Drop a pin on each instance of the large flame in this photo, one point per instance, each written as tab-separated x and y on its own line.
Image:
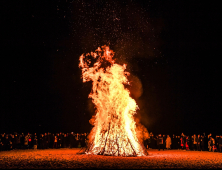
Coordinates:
114	131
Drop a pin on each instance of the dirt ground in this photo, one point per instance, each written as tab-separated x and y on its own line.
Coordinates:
70	158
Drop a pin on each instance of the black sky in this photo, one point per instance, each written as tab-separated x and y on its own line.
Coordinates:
172	47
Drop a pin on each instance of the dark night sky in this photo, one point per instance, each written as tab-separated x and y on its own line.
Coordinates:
172	47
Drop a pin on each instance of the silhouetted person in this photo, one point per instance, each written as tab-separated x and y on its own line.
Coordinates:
198	142
41	141
202	143
55	142
156	142
194	142
12	141
78	141
49	140
205	142
1	144
52	137
183	141
35	142
26	142
173	146
65	141
83	140
178	142
7	143
187	143
217	141
152	141
59	140
220	144
72	140
211	143
46	142
29	141
22	139
164	141
168	142
160	142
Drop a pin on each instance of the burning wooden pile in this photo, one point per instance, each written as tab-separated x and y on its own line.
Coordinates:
114	132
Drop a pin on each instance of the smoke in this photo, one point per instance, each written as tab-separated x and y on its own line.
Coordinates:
136	91
135	87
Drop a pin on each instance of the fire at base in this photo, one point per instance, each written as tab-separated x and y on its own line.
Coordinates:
114	132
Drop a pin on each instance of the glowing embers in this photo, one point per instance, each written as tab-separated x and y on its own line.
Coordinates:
114	131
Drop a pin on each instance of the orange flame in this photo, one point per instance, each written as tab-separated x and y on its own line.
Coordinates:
114	131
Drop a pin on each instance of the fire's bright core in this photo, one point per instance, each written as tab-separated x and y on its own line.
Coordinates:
114	132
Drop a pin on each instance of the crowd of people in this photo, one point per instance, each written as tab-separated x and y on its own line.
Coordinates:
78	140
185	142
42	141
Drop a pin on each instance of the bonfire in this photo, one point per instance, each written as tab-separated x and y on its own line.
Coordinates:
114	128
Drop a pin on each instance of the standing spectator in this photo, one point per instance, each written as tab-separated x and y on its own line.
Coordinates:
181	142
217	141
187	143
46	144
59	140
147	142
55	142
194	142
29	141
7	143
83	139
49	140
22	140
155	142
160	142
64	144
72	140
52	138
67	140
184	138
205	142
1	143
198	142
155	138
35	141
174	140
152	141
26	141
164	141
211	143
176	144
220	144
202	141
41	141
78	140
12	141
168	142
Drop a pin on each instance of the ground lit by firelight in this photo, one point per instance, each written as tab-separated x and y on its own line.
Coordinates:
69	158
